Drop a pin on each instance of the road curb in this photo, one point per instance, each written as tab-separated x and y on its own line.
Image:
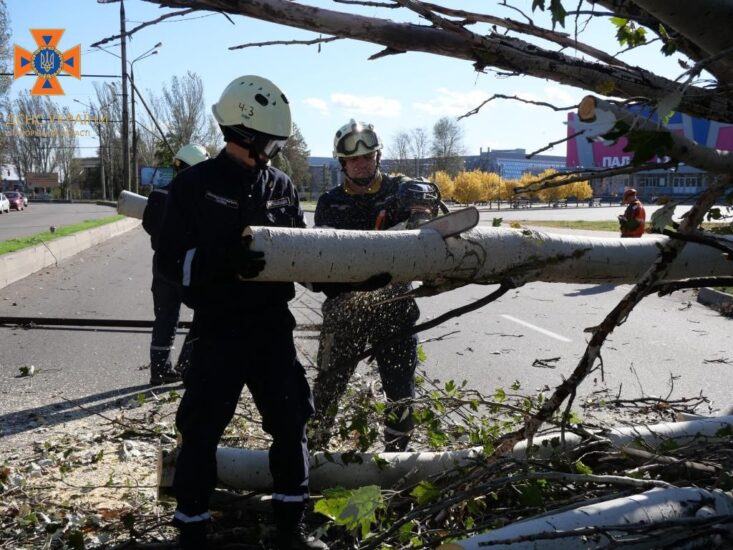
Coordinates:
715	299
18	265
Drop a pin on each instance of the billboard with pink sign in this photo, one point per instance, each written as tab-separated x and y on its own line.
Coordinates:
594	154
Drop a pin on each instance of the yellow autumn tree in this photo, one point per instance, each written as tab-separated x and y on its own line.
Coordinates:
468	188
444	183
492	185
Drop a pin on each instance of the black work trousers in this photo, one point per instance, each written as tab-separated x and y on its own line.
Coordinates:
167	297
255	350
351	322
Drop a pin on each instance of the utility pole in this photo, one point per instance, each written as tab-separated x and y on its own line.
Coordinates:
125	114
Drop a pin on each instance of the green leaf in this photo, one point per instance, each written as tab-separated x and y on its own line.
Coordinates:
725	431
618	21
662	217
421	355
530	495
425	492
500	395
668	446
646	144
496	222
582	468
574	419
353	509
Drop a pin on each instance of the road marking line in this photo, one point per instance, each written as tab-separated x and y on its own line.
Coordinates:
538	329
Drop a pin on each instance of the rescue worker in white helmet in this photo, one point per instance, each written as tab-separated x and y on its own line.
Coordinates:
354	319
167	294
244	328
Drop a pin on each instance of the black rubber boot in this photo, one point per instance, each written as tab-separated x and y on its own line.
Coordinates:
160	376
192	536
291	531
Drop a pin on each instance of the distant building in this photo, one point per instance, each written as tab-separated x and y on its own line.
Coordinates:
513	163
509	163
325	174
41	184
9	180
679	182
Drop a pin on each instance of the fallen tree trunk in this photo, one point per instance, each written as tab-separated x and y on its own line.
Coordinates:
598	525
481	255
649	436
249	469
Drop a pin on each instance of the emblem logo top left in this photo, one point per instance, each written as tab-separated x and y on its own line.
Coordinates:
47	62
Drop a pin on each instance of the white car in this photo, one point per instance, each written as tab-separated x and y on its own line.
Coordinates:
4	203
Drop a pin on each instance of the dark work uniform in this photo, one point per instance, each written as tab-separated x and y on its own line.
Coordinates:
353	320
244	330
167	295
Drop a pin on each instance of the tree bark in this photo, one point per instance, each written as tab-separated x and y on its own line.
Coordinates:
482	255
502	52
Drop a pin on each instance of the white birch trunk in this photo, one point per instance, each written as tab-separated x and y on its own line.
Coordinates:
131	204
249	469
481	255
646	508
652	435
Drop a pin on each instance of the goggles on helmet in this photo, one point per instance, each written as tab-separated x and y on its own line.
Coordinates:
349	144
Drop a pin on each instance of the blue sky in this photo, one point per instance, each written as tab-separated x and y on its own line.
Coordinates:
326	88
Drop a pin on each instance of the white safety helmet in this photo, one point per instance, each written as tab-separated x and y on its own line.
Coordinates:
256	104
355	139
190	154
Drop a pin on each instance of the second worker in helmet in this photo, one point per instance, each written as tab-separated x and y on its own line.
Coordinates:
353	320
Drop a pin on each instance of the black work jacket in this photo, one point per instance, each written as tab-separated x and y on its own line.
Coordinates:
341	210
208	207
153	214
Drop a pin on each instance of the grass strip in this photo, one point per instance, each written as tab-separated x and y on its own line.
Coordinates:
600	225
11	245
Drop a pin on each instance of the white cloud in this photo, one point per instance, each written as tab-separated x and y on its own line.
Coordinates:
366	106
317	104
452	103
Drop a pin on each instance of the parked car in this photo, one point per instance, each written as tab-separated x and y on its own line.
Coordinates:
16	200
25	199
4	203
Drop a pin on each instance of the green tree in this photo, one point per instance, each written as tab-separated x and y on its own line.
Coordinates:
448	146
183	114
5	79
296	153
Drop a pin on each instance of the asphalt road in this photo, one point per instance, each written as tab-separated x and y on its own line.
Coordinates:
670	343
40	216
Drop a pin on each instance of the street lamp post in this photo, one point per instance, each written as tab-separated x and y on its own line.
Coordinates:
151	51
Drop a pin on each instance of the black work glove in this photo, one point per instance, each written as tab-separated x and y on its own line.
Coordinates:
248	262
372	283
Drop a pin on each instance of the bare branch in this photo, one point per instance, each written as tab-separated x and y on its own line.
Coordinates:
516	98
145	24
548	182
286	43
663	289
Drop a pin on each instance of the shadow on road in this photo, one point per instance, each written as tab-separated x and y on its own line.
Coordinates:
590	291
69	410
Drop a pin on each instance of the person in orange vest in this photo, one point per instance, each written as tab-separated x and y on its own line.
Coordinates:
633	220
